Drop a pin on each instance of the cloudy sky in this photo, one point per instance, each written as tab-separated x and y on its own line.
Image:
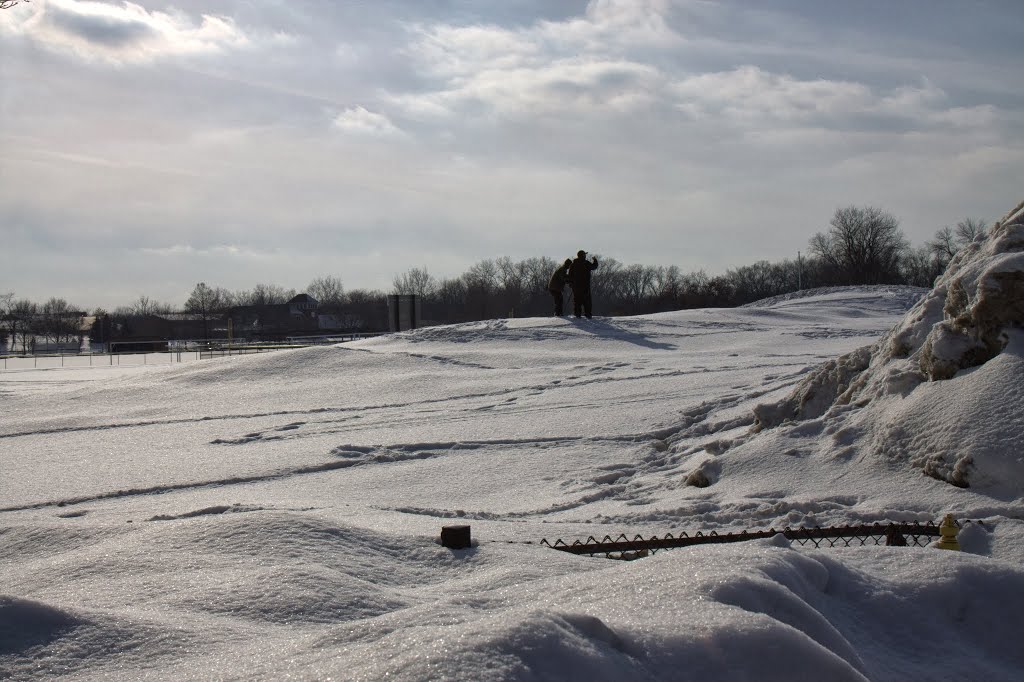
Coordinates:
147	146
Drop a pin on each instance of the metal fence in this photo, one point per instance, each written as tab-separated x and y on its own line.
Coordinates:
48	361
266	344
180	351
623	547
225	351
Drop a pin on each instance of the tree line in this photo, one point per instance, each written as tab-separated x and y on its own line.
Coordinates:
862	245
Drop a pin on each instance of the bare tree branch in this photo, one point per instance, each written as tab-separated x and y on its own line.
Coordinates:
327	290
969	229
863	245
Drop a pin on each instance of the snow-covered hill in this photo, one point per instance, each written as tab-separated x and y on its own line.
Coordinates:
267	516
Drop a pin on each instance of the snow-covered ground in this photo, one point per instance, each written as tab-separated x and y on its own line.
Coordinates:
277	516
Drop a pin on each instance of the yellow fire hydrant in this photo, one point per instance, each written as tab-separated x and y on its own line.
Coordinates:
948	529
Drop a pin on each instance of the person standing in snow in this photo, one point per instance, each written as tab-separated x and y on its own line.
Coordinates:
557	284
579	280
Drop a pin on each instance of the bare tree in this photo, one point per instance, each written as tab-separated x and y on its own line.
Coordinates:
451	293
754	282
668	282
538	273
261	294
862	246
969	229
921	266
144	305
327	290
481	282
6	300
22	318
512	276
482	275
364	297
206	302
60	322
944	244
101	329
695	288
606	283
637	284
416	281
947	242
369	306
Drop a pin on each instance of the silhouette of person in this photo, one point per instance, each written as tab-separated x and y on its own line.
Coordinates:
557	284
579	280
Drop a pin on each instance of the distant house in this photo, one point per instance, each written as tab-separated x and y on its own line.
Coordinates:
303	305
297	316
300	315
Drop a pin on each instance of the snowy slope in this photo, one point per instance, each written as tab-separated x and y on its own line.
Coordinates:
261	516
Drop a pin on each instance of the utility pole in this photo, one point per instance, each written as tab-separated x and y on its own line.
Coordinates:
799	273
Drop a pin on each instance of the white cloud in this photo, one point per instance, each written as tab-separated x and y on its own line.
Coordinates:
616	24
458	51
125	33
171	251
565	87
626	126
751	97
750	93
283	39
619	57
359	121
579	65
188	251
980	116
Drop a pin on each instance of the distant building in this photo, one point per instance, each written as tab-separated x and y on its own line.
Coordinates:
404	312
300	315
297	316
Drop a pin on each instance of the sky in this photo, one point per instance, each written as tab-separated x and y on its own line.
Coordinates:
147	146
271	516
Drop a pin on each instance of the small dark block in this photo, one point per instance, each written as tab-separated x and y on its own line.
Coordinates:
455	537
894	538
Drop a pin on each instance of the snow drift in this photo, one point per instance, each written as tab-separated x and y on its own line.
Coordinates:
276	516
971	320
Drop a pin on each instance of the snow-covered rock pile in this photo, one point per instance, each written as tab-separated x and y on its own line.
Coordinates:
973	316
983	294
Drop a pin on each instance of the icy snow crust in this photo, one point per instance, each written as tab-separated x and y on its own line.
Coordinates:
273	516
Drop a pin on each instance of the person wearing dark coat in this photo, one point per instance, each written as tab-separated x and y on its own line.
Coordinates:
579	280
557	284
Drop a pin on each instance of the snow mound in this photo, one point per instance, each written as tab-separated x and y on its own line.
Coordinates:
966	430
309	570
972	317
25	623
901	296
963	321
816	393
760	612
